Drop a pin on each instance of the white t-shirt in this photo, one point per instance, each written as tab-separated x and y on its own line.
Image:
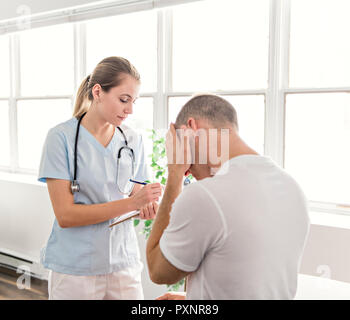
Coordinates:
241	233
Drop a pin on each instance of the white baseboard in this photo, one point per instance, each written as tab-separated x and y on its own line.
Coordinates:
21	265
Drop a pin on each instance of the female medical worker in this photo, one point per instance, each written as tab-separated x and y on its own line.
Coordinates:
86	258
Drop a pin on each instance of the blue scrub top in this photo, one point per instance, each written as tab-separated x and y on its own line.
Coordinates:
94	249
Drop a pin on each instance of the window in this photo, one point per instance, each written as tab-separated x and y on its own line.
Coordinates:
43	115
4	102
47	61
4	134
319	52
4	67
317	123
45	68
133	36
142	121
293	54
221	45
317	136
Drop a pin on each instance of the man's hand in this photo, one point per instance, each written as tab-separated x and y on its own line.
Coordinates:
178	150
149	211
173	296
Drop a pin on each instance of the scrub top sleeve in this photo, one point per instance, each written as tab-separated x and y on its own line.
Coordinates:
195	224
142	172
54	159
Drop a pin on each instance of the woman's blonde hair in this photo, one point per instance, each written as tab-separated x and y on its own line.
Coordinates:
108	74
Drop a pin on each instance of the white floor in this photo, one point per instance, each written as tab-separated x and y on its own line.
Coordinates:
318	288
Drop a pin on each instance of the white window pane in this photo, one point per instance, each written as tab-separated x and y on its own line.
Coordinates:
4	67
319	46
4	134
141	120
35	118
250	114
317	140
221	45
131	36
47	61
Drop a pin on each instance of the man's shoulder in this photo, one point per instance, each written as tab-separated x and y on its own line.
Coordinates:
198	191
210	184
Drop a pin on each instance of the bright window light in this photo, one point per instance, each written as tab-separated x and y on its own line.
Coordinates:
47	61
221	45
4	67
317	140
142	121
131	36
35	118
319	46
4	134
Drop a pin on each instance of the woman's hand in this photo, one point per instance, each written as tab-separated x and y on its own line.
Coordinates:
149	211
149	193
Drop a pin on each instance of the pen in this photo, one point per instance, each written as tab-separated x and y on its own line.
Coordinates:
139	182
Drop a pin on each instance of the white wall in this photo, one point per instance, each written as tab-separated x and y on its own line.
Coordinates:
25	218
327	253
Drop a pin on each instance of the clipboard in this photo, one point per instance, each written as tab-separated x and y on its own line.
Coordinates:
125	217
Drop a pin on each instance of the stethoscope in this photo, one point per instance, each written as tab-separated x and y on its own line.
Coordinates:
75	187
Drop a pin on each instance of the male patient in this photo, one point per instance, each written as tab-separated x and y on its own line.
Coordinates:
239	231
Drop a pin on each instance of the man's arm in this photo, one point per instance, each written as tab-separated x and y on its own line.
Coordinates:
161	270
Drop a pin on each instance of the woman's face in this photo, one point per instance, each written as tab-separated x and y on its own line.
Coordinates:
117	104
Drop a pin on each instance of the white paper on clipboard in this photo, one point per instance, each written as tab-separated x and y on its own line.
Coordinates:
125	216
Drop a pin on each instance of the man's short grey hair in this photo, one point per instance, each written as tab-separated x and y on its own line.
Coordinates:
218	111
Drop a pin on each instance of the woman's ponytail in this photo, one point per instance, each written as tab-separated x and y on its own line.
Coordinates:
82	102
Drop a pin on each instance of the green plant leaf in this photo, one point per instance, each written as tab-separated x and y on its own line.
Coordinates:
176	286
159	167
148	223
159	173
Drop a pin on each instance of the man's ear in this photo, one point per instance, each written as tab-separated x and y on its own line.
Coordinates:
192	124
